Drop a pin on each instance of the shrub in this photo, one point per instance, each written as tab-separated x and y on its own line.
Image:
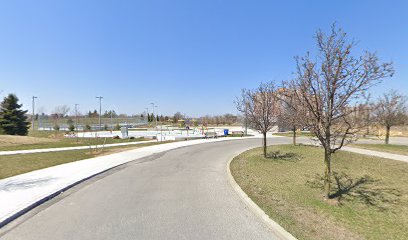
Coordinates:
56	127
71	127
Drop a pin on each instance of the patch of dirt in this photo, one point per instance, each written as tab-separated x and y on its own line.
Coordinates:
12	140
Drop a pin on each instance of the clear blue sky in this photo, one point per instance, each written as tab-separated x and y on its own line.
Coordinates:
187	56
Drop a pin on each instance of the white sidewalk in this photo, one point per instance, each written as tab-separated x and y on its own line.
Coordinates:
391	156
21	193
43	150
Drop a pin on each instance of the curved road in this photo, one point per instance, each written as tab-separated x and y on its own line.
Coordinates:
181	194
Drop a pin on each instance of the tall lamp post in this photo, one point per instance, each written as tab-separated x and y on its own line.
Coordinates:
76	120
33	116
154	115
100	112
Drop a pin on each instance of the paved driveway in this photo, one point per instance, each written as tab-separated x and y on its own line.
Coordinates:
181	194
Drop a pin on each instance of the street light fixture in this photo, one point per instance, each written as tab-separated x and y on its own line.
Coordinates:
100	112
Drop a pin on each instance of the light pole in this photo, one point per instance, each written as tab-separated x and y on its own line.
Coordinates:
33	117
153	114
100	112
76	120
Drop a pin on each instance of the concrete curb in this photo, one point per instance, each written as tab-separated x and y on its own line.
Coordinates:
272	225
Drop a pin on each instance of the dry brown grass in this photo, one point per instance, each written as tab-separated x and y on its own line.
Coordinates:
11	140
396	131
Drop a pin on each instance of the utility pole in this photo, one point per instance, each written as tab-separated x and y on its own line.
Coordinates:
100	112
33	117
153	114
76	121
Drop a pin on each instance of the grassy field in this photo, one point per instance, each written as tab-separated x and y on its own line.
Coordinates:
290	134
52	139
371	193
390	148
17	164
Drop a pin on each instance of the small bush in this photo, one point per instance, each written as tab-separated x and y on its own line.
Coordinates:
87	127
117	127
56	127
116	137
71	127
105	127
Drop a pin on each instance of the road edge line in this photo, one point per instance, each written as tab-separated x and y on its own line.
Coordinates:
272	225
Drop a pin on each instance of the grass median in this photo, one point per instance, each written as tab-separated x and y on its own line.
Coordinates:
371	194
21	163
389	148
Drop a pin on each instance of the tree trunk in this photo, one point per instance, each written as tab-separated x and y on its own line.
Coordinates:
387	134
264	144
294	136
327	173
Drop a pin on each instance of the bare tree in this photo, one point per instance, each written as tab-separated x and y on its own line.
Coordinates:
261	107
292	112
390	110
61	111
329	84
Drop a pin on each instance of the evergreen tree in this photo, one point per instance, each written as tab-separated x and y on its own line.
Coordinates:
13	120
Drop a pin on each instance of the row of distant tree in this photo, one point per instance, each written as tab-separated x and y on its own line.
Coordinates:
14	120
328	96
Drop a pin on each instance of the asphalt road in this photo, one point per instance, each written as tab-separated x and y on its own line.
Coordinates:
181	194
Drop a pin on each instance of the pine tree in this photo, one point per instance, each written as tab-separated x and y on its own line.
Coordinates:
13	120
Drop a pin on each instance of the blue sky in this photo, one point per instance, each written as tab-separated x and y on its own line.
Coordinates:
187	56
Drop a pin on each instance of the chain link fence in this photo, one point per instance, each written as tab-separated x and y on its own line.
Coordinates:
85	123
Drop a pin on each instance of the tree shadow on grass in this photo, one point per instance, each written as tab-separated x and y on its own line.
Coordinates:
290	156
365	189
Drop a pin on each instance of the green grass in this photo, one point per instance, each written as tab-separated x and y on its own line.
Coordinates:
288	187
18	164
390	148
298	134
57	140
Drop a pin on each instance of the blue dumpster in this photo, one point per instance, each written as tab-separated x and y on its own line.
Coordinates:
225	132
